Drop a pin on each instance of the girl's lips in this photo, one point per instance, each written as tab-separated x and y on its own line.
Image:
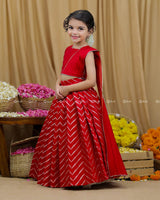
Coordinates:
75	37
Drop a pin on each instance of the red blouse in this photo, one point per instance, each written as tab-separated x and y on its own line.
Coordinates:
74	61
74	64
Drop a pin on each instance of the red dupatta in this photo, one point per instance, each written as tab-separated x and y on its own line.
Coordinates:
115	163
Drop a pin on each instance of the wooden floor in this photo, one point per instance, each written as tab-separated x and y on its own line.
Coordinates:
27	189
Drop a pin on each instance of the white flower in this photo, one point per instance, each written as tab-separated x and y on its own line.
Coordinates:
7	91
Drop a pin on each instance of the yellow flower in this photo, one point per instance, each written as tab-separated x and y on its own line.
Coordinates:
122	132
111	117
116	133
125	141
118	140
123	122
133	127
126	133
115	124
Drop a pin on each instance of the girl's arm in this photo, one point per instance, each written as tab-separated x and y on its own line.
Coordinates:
86	84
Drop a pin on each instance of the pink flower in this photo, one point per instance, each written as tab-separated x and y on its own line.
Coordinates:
23	151
35	90
35	113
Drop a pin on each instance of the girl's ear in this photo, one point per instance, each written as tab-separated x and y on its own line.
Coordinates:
91	31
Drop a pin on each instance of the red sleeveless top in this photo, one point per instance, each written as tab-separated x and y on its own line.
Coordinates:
74	64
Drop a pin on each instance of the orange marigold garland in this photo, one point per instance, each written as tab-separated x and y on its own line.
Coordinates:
145	148
151	141
157	157
156	134
144	177
157	172
150	130
158	129
155	176
135	177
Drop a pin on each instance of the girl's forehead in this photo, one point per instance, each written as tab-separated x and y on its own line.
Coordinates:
75	22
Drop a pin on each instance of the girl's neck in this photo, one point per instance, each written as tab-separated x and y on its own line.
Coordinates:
79	46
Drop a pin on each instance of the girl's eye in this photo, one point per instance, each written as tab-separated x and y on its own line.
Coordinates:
81	28
70	27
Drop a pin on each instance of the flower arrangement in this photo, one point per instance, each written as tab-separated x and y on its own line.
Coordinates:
157	172
144	177
10	114
23	151
151	141
129	150
125	132
35	113
155	176
7	91
135	177
29	113
35	90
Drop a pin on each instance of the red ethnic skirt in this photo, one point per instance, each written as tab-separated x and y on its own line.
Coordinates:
71	149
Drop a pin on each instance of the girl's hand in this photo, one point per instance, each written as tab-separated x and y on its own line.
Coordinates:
58	94
64	90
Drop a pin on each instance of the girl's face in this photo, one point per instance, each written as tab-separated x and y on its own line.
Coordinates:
78	31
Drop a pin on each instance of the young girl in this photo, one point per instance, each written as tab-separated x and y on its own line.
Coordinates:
76	146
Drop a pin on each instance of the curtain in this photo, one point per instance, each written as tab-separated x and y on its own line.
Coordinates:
127	33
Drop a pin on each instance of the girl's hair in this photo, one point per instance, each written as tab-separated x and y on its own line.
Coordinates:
82	15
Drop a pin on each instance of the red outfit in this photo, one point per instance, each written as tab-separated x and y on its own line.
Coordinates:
76	145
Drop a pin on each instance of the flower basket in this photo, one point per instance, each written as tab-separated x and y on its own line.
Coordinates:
34	96
8	94
125	130
6	105
20	165
33	103
20	162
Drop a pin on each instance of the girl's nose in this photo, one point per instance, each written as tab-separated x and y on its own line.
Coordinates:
74	31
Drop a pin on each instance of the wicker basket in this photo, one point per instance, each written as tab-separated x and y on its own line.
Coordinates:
136	143
20	164
6	105
35	103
